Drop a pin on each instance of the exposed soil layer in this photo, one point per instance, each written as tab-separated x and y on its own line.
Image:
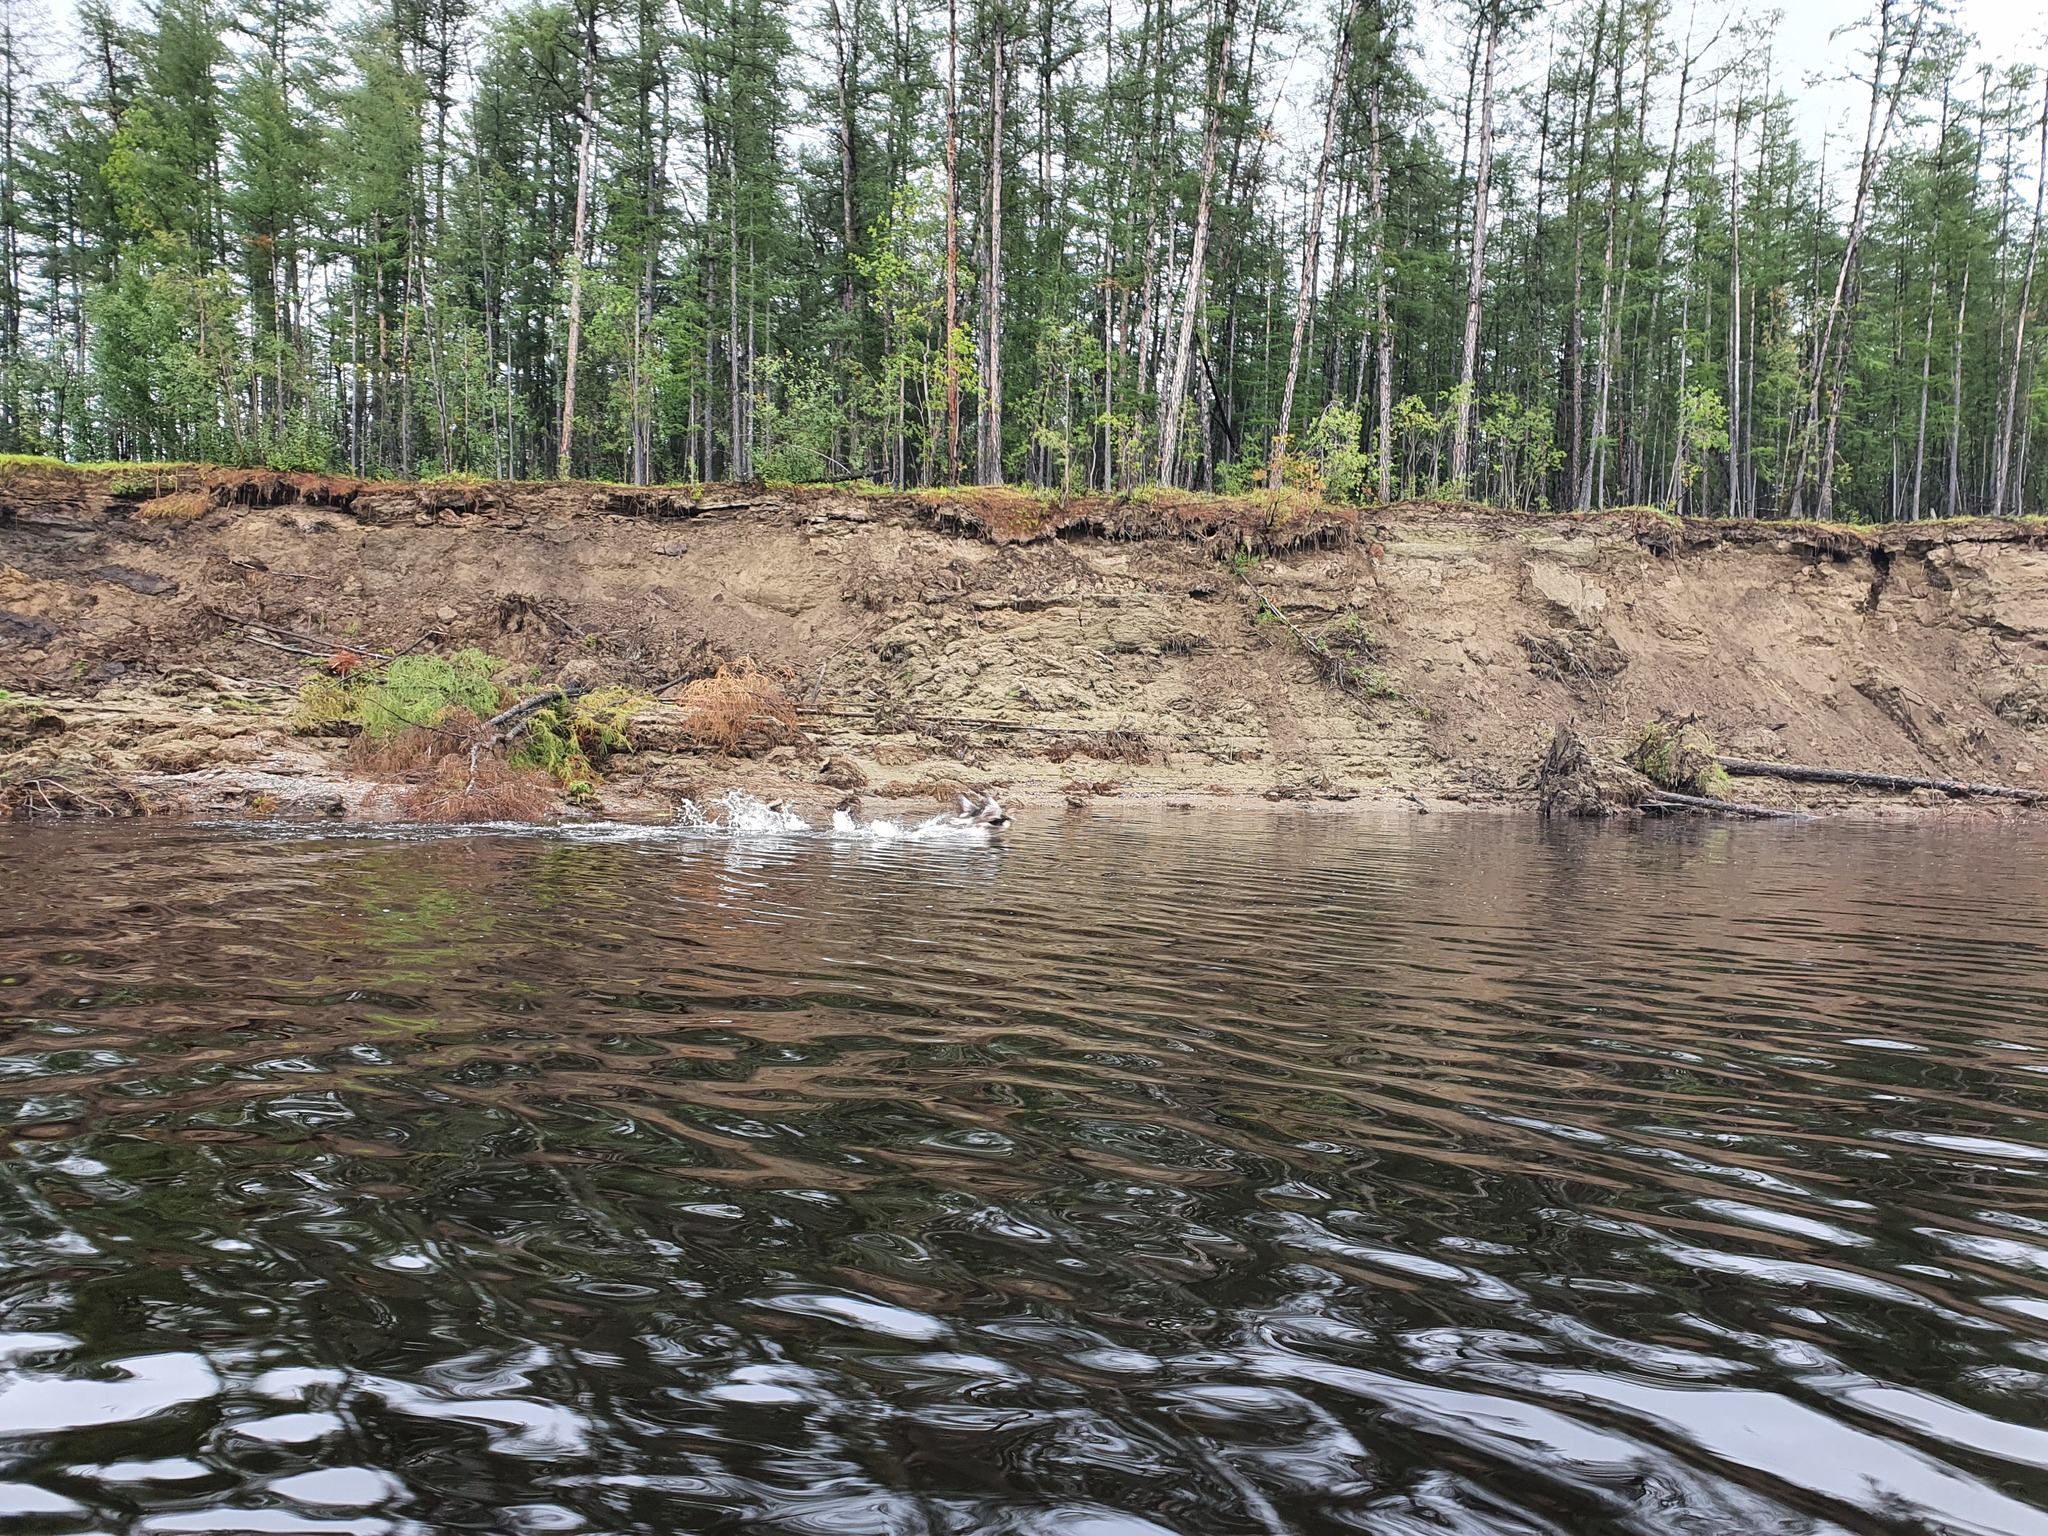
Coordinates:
154	629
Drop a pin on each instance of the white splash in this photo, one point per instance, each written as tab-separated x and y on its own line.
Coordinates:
737	814
744	816
947	827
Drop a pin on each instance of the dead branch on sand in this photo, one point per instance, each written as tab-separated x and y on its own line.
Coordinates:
1868	779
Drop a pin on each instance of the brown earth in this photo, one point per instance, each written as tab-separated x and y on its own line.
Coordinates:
153	640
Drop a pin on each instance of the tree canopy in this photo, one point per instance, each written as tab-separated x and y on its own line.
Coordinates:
1585	259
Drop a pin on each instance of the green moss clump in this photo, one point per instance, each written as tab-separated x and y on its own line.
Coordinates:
325	705
1673	756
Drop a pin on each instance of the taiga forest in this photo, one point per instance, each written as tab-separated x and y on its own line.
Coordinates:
1575	256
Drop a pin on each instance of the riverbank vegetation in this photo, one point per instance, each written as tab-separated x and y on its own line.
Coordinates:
1586	259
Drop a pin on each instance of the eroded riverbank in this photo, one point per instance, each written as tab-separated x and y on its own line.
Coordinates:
154	637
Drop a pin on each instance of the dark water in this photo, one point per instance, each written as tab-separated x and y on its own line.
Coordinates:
1147	1174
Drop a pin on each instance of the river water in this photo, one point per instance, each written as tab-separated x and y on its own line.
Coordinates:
1160	1172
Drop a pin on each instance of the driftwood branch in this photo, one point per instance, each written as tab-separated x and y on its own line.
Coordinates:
1807	773
507	724
1333	665
1668	799
920	720
278	645
326	645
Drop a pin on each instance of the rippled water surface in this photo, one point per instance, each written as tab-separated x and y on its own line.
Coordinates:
1163	1173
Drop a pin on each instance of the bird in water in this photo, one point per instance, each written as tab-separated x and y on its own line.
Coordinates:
982	811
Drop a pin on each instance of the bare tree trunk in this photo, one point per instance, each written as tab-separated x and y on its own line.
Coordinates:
1574	361
846	45
1475	286
1736	417
1383	325
585	153
1312	247
1595	466
1175	395
2019	334
952	240
1831	350
1109	349
989	447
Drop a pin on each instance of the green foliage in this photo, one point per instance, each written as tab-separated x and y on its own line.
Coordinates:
574	739
1338	464
1673	756
132	482
1702	429
1244	474
800	421
325	705
268	235
404	692
1241	561
419	690
1521	439
1420	433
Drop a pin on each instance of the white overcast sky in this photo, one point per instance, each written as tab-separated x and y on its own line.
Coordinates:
1817	44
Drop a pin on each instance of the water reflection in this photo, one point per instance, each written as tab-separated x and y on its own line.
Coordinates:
1287	1174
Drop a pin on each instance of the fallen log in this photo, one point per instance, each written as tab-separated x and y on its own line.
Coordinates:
1807	773
1671	800
506	726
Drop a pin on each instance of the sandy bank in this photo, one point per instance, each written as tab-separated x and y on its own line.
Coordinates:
152	631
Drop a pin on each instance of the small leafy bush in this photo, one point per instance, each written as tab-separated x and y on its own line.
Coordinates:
419	690
573	739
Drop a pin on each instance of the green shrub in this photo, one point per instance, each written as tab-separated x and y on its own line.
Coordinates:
573	739
324	703
418	690
1673	756
131	483
404	692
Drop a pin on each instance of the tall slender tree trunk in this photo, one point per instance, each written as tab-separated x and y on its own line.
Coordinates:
1954	500
952	240
1955	424
2003	464
1926	379
585	154
1737	418
1382	323
1475	284
1575	336
846	45
1312	246
1831	349
1595	467
1175	395
1109	349
989	447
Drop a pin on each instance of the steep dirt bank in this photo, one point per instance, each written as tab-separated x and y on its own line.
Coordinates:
154	639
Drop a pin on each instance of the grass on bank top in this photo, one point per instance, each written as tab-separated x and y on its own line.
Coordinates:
42	463
1008	510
